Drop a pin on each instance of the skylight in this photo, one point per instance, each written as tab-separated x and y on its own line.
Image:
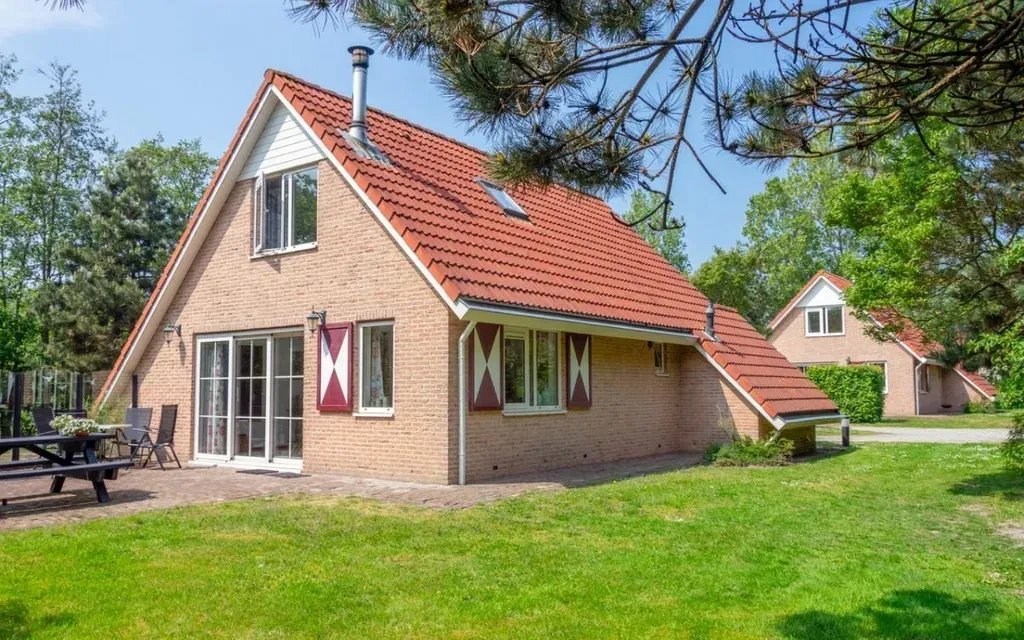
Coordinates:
505	201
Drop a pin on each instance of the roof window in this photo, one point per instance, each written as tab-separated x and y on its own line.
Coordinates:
505	201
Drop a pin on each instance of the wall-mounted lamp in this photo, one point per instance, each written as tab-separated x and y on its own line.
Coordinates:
316	319
170	330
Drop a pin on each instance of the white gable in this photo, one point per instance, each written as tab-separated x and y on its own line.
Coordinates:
283	144
822	294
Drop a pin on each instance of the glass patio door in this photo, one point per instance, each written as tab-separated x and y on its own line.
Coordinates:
214	397
287	405
249	426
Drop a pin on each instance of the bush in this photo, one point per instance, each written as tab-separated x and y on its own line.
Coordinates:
982	406
858	390
28	427
1013	448
747	452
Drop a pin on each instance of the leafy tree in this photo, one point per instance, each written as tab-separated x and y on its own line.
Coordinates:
182	171
121	247
789	235
668	242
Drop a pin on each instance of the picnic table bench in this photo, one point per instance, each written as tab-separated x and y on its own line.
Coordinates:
75	458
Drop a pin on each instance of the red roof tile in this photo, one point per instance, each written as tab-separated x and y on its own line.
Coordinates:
573	256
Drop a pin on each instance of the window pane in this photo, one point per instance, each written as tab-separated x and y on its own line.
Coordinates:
220	366
242	436
281	444
282	356
272	218
304	195
257	435
515	370
659	356
377	361
243	366
243	399
296	348
814	321
834	319
296	439
282	397
547	368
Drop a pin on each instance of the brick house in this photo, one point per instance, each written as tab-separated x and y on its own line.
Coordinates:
352	294
817	327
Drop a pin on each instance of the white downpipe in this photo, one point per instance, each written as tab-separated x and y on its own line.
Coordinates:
917	388
462	401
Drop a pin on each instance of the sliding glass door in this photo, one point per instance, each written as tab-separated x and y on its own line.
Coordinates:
249	390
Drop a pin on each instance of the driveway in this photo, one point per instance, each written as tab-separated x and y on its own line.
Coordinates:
911	434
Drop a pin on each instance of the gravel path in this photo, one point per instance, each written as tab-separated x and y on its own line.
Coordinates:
910	434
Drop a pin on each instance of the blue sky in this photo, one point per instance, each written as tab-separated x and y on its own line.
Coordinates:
189	68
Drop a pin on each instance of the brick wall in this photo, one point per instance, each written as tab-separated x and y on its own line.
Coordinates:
790	339
357	274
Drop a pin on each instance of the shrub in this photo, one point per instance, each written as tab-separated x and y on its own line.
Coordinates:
858	390
28	427
1013	448
747	452
982	406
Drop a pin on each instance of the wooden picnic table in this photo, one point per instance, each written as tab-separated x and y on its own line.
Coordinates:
75	458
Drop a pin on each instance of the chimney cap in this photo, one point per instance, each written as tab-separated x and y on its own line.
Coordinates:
360	55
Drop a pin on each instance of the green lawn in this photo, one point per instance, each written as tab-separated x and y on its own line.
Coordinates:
1000	420
890	541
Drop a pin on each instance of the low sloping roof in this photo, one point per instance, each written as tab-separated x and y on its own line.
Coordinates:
573	256
913	337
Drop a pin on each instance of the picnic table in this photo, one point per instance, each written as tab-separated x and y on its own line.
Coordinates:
75	458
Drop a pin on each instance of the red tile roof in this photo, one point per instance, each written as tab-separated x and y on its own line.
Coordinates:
573	256
906	331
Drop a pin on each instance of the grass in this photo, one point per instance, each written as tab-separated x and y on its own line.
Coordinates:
1001	420
888	541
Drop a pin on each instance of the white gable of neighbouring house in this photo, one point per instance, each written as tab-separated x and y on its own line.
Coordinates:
822	294
283	144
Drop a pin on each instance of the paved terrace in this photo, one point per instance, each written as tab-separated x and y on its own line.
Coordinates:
31	505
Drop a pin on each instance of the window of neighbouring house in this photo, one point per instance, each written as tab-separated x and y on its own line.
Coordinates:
885	373
924	379
376	371
822	321
659	358
285	211
532	367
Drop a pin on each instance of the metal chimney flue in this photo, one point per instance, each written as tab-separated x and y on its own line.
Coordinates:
709	320
360	64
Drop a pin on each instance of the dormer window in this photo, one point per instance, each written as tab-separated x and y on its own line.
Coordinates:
502	199
824	321
285	211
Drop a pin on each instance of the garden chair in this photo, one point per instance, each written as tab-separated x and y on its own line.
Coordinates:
42	417
139	418
164	437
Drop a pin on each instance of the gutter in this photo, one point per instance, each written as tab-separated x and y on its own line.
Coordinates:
462	400
819	418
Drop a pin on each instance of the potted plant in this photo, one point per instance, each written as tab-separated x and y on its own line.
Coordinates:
67	425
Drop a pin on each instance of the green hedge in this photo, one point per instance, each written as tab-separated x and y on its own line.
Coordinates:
858	391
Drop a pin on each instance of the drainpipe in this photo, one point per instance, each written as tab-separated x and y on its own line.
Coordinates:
917	388
462	400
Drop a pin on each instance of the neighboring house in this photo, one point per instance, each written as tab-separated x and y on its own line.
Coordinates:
817	327
468	332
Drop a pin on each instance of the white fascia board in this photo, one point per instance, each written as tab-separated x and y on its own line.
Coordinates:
531	319
406	249
193	242
795	303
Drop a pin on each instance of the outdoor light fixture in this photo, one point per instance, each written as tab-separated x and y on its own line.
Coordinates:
170	330
316	319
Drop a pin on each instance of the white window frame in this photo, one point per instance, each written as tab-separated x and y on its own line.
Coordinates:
884	366
659	348
230	457
529	338
823	324
381	412
288	220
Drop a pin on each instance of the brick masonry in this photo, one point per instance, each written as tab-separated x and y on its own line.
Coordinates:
358	274
947	387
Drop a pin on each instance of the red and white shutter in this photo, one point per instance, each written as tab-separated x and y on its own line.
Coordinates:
334	372
485	369
577	370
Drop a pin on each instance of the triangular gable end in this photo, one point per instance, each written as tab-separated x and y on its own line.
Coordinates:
284	143
816	287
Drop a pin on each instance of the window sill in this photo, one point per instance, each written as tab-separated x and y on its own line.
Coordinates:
299	248
374	414
824	335
514	413
661	374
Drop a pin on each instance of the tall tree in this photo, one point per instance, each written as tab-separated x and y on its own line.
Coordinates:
182	171
669	241
120	249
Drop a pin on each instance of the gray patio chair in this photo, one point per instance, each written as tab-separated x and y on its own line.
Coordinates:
164	437
139	418
42	417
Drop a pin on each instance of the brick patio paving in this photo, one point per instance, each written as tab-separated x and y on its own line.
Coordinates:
31	505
